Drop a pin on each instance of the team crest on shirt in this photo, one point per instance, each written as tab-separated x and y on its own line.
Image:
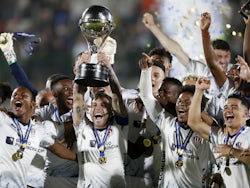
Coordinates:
110	130
197	139
33	132
173	147
239	144
92	143
9	140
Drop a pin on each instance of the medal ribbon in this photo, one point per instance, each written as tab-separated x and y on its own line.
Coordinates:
178	140
57	115
236	136
63	118
23	138
101	144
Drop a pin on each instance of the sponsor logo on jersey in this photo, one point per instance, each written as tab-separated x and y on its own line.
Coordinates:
239	144
9	140
197	139
92	143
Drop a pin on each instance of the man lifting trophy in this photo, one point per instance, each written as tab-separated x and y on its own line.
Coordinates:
96	25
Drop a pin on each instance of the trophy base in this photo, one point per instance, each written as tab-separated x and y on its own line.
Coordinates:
92	75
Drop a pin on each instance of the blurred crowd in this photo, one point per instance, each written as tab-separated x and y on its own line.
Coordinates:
56	22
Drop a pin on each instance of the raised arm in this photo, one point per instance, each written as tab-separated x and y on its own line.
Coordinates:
244	69
78	104
152	106
210	56
194	115
61	151
246	42
117	100
169	44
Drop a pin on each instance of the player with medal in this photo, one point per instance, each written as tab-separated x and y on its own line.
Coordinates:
181	147
178	139
101	136
23	140
230	141
101	144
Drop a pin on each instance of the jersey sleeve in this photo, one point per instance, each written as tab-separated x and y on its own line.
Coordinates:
50	134
21	77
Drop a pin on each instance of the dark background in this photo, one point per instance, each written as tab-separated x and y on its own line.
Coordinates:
56	22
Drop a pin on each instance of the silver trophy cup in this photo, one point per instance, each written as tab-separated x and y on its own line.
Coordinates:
96	22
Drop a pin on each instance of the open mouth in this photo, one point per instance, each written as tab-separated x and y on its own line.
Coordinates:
229	117
98	116
70	100
182	112
18	104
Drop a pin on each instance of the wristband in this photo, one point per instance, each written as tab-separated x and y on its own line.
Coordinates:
10	57
205	34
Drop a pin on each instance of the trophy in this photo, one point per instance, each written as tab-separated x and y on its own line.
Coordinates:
96	23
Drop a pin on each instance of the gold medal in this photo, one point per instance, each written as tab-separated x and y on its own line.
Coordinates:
24	145
180	151
155	137
228	171
101	148
102	160
146	142
18	155
179	163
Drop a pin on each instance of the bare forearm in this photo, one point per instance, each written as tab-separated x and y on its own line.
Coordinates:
195	118
211	59
241	155
246	44
62	151
78	108
170	45
114	82
117	100
119	106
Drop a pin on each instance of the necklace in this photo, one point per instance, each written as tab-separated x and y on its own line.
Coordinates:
181	147
101	144
23	140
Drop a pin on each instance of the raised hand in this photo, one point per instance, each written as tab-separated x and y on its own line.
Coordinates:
145	62
6	45
202	83
148	20
105	59
205	21
85	57
244	68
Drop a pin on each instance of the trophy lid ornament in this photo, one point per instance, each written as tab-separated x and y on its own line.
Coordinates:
96	23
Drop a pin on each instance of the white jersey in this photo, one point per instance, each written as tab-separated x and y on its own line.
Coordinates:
146	166
14	174
55	165
197	153
201	69
36	174
144	170
92	173
240	172
216	103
